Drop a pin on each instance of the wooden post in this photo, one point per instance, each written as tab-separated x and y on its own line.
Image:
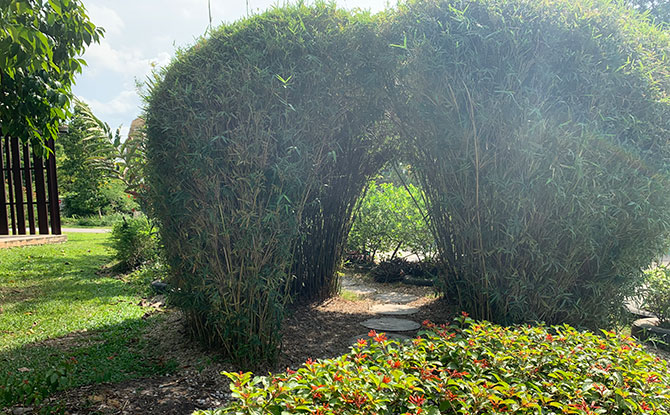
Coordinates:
18	186
4	223
52	184
29	189
9	186
40	190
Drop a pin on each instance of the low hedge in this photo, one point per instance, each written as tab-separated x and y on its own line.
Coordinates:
468	368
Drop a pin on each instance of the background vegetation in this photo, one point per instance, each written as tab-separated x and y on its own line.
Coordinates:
100	173
389	219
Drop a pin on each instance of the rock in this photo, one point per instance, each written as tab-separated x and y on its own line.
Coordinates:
394	309
633	308
647	329
20	410
386	324
159	286
395	298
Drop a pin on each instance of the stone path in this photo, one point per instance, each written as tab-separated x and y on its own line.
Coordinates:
391	309
385	324
391	304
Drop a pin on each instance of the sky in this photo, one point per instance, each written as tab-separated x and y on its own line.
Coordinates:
140	34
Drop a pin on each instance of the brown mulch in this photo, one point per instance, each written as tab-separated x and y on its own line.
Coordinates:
318	331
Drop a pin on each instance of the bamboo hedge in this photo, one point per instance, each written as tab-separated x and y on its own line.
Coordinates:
538	130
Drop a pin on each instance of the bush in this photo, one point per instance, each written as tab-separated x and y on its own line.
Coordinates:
391	270
480	369
255	183
135	242
656	294
389	218
29	388
539	136
400	269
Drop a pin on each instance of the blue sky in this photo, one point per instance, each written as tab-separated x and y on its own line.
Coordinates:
142	33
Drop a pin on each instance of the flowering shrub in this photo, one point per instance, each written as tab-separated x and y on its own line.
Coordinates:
468	368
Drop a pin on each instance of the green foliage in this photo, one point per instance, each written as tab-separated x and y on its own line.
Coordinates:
28	387
656	293
41	41
135	241
539	133
390	218
469	368
256	182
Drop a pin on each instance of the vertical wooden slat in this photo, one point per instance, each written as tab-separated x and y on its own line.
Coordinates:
29	189
18	186
40	190
52	183
4	223
9	185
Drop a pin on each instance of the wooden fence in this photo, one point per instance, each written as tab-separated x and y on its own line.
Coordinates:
24	193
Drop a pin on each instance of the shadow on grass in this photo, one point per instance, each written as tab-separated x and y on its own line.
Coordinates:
110	353
37	279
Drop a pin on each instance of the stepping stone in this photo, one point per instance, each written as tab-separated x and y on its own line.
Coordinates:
348	282
386	324
395	298
394	309
391	336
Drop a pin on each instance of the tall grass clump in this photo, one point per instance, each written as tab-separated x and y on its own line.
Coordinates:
258	143
539	133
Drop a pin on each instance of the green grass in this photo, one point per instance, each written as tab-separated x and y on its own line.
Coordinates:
55	292
349	295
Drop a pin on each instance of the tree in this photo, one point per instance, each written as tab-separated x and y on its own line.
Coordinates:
40	43
86	162
131	158
99	171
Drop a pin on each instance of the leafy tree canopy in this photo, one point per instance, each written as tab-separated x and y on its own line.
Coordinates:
40	43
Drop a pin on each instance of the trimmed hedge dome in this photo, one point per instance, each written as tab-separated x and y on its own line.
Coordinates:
538	129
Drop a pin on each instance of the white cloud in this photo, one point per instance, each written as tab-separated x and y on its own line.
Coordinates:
123	103
128	61
107	18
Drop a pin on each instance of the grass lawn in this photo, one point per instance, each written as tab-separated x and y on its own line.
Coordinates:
63	325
